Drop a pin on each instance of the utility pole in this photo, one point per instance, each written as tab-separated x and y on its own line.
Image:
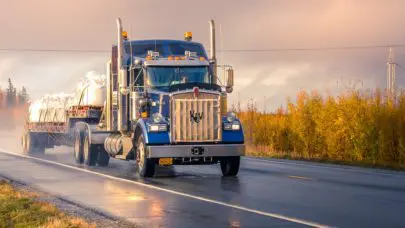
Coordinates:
391	68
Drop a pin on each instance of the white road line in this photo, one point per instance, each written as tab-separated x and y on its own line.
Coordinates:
325	166
273	215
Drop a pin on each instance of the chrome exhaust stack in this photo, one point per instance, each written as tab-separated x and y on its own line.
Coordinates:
213	58
108	103
122	83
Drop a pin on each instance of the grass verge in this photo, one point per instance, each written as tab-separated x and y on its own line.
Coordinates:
297	157
22	209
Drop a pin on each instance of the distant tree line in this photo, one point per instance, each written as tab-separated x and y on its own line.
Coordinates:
10	97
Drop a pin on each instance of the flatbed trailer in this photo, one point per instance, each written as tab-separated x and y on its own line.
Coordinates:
39	136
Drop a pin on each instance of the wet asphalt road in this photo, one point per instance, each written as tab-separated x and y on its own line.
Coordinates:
329	195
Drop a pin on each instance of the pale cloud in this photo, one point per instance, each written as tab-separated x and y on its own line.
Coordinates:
281	75
255	24
7	65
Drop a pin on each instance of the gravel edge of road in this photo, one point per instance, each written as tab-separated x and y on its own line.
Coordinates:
91	215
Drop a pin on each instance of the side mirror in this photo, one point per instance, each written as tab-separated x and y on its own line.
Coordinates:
229	80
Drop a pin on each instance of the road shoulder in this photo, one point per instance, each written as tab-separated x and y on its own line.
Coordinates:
70	208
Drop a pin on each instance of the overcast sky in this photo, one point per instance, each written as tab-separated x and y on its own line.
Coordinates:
253	24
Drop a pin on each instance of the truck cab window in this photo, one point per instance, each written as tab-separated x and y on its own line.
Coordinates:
137	75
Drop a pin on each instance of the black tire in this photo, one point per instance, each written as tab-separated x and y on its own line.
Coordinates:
78	147
103	157
26	145
41	141
230	166
32	143
89	151
146	166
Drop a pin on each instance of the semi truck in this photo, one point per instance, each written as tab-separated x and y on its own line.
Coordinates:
164	105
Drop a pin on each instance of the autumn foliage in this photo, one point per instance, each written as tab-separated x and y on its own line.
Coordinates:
355	127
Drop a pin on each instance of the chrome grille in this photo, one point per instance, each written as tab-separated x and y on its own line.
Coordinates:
196	119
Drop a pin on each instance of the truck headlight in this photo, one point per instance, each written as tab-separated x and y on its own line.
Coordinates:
234	126
230	117
157	127
157	117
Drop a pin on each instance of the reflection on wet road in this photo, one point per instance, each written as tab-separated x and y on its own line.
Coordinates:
197	196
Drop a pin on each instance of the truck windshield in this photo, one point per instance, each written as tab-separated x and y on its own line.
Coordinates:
164	77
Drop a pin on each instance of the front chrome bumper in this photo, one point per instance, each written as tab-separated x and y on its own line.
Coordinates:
179	151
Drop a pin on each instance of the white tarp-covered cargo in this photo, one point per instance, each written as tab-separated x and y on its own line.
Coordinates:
50	108
90	91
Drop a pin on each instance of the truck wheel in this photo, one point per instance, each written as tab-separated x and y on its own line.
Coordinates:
32	144
78	147
103	157
230	166
29	143
23	142
89	152
146	166
26	144
40	143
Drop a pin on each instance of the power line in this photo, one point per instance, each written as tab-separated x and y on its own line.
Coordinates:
225	50
53	50
316	48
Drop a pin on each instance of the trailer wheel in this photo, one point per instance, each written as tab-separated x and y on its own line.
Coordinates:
146	166
103	157
40	142
26	144
230	166
89	152
32	143
78	147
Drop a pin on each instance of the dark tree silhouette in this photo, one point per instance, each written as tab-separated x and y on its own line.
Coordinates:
23	96
11	93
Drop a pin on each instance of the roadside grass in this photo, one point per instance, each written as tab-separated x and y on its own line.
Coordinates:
295	156
354	127
22	209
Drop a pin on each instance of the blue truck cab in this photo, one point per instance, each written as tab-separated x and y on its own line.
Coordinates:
164	106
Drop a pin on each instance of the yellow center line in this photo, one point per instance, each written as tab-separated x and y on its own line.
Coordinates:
302	178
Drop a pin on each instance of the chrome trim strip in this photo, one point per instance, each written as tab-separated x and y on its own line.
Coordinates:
217	150
192	91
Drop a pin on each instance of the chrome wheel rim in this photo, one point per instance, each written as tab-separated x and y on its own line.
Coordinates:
77	147
28	141
23	142
86	149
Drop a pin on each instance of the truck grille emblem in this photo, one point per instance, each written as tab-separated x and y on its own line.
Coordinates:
195	117
196	92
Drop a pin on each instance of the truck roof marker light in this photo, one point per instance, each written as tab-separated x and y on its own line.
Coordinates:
202	58
125	35
177	58
188	36
148	57
170	58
